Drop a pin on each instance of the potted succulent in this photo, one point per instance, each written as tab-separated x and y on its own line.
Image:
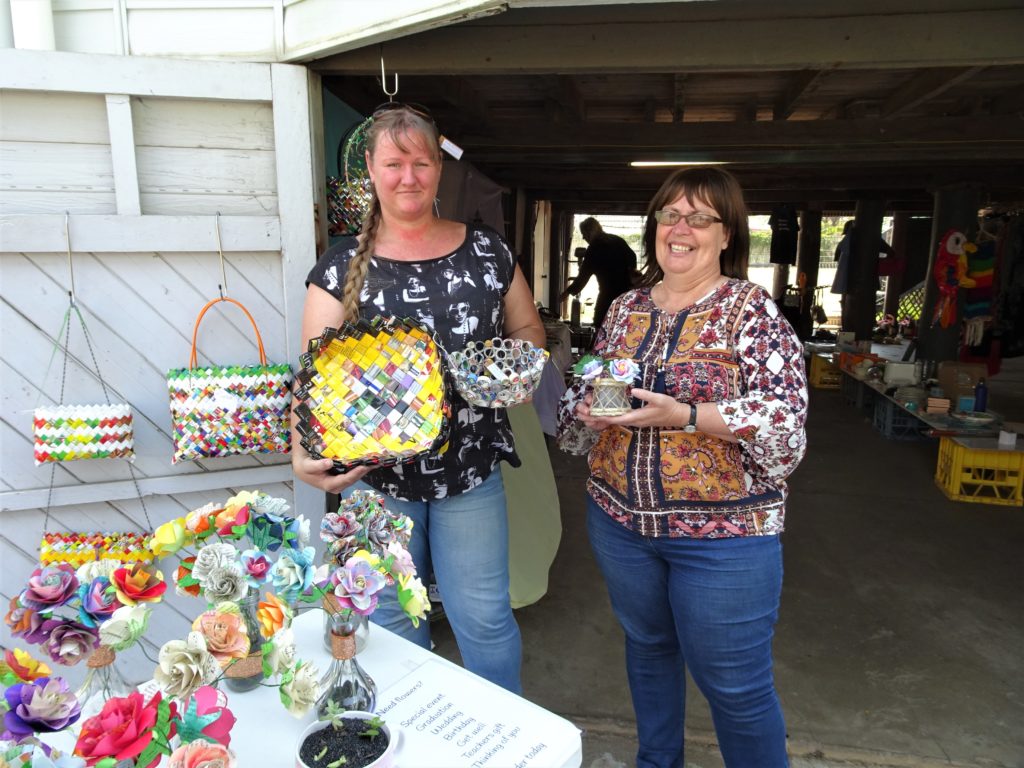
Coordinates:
347	740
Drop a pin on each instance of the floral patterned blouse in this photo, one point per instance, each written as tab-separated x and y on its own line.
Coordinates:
732	348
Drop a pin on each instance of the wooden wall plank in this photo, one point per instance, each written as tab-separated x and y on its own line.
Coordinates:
77	118
75	201
201	123
122	151
40	233
37	165
184	169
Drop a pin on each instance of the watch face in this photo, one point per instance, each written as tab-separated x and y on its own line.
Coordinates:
689	428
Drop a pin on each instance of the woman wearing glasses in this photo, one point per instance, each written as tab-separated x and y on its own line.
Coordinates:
687	491
456	499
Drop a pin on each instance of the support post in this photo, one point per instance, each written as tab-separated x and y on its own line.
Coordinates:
808	257
859	312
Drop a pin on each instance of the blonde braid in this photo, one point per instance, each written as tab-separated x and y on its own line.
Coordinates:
360	263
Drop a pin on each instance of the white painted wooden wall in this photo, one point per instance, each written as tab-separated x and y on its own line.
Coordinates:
143	154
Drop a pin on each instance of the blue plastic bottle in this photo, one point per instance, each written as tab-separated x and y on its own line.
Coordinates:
981	396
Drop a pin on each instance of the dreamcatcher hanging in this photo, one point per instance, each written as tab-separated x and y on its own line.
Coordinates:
348	195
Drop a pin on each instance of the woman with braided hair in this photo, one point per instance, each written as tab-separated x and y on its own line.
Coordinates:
456	499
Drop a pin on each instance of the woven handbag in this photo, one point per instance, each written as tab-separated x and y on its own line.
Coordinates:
373	393
227	410
68	432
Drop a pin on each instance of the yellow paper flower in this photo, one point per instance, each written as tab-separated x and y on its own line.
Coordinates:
24	666
170	537
241	499
273	615
369	557
412	596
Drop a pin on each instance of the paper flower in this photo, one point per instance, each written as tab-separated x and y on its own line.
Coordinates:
225	583
124	628
273	615
202	754
230	518
170	537
68	642
412	596
356	585
281	654
185	665
224	632
38	757
49	587
98	601
25	623
293	573
256	567
339	525
184	582
204	717
402	563
300	689
212	556
124	729
198	520
590	367
44	706
24	666
623	369
138	585
96	569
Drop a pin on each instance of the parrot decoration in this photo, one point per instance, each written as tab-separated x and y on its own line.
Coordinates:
950	273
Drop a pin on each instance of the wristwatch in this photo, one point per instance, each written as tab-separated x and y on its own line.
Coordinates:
691	425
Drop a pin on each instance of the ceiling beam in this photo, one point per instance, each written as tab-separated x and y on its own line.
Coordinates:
582	39
924	86
799	84
678	97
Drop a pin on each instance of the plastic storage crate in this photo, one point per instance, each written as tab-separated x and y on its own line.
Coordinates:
856	393
824	375
894	422
980	475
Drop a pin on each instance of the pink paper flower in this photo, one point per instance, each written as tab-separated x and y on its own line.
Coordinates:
202	754
49	587
225	634
201	705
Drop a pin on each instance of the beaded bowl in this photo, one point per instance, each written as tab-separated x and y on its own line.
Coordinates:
497	373
372	393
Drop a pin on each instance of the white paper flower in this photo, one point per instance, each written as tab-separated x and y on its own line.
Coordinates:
282	655
225	583
211	556
88	572
125	626
185	666
303	689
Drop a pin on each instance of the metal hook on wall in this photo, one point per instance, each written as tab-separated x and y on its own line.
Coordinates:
71	266
223	287
383	81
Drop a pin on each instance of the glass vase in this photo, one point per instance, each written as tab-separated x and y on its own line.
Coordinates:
102	682
361	624
609	397
346	687
246	674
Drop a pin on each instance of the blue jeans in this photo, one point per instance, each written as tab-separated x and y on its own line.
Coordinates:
708	606
463	540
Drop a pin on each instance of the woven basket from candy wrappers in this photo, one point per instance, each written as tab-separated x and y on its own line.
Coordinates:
372	393
79	548
497	373
67	432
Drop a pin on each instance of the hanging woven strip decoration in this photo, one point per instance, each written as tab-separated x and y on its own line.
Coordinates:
79	548
372	393
225	410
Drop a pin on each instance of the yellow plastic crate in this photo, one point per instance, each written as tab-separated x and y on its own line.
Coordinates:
979	475
824	375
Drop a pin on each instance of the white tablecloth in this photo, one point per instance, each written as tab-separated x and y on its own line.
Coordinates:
453	717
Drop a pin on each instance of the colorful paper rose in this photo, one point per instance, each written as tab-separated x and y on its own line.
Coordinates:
138	585
273	614
124	730
46	705
98	601
184	582
590	367
230	518
256	567
225	633
25	623
170	537
202	754
24	666
204	717
623	369
356	585
50	586
197	521
401	563
293	573
412	596
69	642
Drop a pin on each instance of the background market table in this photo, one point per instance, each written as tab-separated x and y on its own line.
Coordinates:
498	729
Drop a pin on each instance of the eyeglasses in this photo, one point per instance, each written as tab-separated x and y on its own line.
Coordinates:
670	218
417	109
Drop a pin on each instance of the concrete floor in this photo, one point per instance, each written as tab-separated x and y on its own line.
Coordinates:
902	625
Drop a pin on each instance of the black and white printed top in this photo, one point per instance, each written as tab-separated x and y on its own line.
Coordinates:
461	297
